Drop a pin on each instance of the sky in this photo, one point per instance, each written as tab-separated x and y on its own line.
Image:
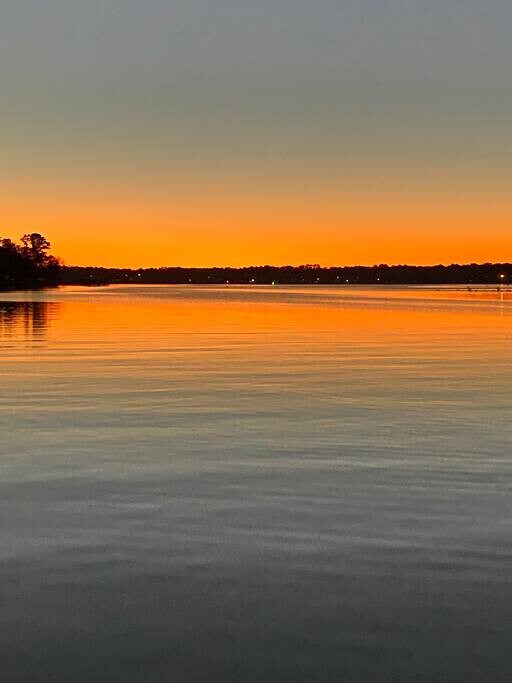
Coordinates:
235	132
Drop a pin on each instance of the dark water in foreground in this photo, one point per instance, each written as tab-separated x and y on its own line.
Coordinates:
255	485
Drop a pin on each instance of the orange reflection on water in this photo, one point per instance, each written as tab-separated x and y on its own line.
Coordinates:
25	319
151	318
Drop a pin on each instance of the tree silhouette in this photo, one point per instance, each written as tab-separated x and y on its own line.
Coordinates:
28	264
35	247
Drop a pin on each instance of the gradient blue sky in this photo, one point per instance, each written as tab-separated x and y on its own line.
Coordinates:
228	132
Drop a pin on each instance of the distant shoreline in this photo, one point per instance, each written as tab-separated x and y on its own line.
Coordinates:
469	275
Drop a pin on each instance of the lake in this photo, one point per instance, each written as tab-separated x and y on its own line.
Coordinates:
256	484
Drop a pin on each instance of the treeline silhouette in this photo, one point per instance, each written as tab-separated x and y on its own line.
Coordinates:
27	264
487	273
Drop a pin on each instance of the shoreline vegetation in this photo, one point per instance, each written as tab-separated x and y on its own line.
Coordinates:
28	264
455	274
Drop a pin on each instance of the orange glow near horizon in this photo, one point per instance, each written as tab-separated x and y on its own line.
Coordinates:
202	229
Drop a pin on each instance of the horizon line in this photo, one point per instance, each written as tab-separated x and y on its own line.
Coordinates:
304	266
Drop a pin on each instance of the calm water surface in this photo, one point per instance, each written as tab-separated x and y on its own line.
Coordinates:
255	484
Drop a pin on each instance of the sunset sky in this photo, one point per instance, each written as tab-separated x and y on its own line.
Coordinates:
235	132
